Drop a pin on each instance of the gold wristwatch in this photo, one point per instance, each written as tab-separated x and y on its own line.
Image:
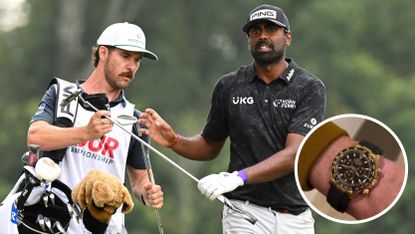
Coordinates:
354	170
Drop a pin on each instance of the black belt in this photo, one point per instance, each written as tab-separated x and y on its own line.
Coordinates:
284	210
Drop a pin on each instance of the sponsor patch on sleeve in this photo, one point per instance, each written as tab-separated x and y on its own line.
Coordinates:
41	108
311	124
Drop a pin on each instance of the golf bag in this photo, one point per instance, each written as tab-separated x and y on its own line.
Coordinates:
36	205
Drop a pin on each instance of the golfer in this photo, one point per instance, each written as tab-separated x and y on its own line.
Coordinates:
265	108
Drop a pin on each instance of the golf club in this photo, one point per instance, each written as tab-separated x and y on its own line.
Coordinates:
246	215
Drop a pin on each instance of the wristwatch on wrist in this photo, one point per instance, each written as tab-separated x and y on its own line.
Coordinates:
354	170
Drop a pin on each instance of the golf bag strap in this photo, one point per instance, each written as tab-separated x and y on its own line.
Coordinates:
64	89
55	184
64	116
64	188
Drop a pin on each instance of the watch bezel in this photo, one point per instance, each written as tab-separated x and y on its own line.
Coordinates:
371	172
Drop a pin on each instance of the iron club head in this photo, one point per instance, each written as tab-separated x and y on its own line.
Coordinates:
70	97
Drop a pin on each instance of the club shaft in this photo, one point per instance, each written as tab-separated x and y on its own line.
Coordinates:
146	156
221	198
155	150
143	142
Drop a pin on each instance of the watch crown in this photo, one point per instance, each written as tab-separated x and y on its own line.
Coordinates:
365	191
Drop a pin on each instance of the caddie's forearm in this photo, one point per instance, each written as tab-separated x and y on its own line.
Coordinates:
50	137
138	179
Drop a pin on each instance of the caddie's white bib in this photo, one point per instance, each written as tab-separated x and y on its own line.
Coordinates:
109	153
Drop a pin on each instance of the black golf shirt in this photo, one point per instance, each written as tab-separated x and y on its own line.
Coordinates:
257	117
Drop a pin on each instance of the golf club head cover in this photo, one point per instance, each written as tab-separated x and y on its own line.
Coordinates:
100	194
98	100
46	169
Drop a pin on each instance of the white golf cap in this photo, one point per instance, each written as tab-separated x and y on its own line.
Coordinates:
126	36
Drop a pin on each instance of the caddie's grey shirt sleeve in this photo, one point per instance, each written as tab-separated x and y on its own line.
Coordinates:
46	108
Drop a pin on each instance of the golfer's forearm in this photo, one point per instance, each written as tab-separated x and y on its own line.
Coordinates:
277	165
50	137
274	167
198	148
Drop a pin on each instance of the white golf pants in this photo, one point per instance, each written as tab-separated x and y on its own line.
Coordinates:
269	221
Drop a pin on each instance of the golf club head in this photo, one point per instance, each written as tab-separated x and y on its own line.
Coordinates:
70	97
126	119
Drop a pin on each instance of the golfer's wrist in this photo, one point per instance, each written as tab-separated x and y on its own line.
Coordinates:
174	142
243	175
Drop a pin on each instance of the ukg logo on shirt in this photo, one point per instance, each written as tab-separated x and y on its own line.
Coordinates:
242	100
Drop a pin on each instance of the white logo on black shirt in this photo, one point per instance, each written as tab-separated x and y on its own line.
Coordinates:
290	75
242	100
284	103
312	123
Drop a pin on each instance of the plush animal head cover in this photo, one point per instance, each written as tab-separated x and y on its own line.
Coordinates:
102	193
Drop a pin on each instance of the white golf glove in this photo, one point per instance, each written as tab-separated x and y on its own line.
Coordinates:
216	184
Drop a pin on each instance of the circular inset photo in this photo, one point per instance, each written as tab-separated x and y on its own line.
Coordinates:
351	168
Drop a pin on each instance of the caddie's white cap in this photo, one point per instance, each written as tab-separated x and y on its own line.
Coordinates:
126	36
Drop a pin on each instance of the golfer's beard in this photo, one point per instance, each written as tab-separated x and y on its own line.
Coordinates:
266	58
111	79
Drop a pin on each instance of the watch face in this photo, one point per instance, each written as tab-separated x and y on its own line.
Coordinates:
353	169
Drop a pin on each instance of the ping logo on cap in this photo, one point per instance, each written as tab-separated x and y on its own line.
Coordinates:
263	14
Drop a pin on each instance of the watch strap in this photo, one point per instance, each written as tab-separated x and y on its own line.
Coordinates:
337	198
374	148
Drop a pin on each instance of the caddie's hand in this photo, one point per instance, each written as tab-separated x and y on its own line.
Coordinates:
98	125
158	129
216	184
153	196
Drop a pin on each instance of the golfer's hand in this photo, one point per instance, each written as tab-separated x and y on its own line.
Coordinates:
98	125
216	184
157	129
153	196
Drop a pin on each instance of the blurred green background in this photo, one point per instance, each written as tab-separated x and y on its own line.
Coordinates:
362	50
